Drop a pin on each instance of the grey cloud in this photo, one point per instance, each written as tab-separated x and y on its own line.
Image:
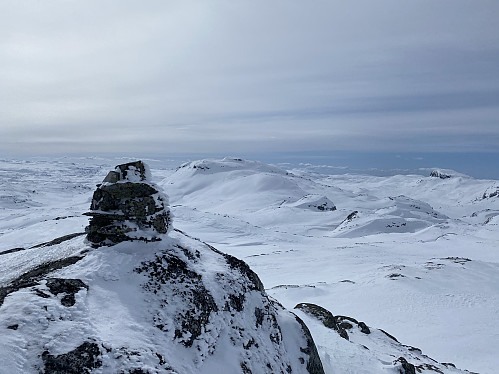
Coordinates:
225	75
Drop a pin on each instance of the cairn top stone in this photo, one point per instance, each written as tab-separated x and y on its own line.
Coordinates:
128	206
132	171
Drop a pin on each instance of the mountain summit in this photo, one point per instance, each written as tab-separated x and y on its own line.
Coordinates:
139	297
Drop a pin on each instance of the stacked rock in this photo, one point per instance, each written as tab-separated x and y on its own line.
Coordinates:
128	206
439	174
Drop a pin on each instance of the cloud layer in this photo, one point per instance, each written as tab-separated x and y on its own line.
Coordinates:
193	76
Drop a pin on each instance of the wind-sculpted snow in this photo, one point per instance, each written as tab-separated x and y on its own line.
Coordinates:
401	215
253	192
432	283
376	256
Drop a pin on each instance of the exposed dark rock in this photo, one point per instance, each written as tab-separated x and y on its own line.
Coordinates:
259	316
32	277
59	240
406	368
314	365
430	367
491	192
343	333
352	215
67	286
413	349
166	269
136	167
325	207
439	174
322	314
390	336
41	294
13	250
457	260
81	360
363	328
345	325
243	267
126	206
237	302
137	371
395	275
338	323
174	278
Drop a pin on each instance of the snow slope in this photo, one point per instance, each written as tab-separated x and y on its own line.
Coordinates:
171	305
394	253
415	256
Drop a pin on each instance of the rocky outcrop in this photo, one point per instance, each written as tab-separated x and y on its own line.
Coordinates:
127	206
439	174
339	323
315	202
374	343
82	359
154	301
491	192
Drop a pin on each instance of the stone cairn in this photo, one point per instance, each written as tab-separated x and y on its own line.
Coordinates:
127	206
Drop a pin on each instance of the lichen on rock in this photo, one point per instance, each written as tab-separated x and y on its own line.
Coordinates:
128	206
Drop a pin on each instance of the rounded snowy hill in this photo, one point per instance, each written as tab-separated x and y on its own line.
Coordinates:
394	251
251	191
269	197
414	255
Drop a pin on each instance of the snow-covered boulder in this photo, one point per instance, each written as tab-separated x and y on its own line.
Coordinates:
128	206
368	347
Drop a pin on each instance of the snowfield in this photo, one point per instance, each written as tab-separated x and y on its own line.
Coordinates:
413	255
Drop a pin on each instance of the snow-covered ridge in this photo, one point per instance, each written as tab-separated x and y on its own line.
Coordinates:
228	164
129	305
381	225
434	287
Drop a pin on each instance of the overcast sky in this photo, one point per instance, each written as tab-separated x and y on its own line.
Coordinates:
255	75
